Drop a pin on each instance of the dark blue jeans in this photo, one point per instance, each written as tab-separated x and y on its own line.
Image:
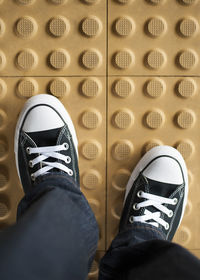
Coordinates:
56	235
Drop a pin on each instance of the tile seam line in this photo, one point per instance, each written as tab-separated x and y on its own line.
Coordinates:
107	76
104	76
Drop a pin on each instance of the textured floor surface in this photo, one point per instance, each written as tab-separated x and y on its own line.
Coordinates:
128	73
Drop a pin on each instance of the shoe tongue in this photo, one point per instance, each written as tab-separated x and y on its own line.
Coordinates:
45	138
160	188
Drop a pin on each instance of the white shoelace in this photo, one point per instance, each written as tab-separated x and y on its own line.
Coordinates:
45	153
156	201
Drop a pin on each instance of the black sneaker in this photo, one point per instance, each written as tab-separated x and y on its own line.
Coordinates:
45	141
157	190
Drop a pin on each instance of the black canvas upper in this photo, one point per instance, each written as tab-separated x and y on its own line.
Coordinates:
51	137
156	188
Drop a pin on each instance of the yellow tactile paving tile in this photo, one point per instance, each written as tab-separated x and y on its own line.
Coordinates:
148	111
52	38
90	123
153	37
128	73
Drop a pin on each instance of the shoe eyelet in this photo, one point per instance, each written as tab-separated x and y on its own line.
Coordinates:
28	150
175	200
70	172
170	214
139	193
30	164
68	159
66	146
131	219
166	226
135	206
32	177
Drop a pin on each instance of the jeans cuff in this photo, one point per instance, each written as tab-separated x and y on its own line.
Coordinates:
140	232
45	184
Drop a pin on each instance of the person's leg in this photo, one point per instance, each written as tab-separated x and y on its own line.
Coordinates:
56	234
155	199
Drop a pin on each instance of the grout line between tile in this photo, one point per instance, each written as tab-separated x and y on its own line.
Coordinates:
106	198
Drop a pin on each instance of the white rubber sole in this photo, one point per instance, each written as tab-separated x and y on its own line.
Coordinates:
47	100
148	157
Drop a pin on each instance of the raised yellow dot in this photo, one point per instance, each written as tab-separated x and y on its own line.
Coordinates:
91	149
91	179
187	59
27	87
58	2
3	180
59	26
3	117
188	27
124	87
155	59
122	150
183	235
91	2
26	27
59	59
188	208
124	2
186	88
3	88
156	27
120	179
95	205
3	209
25	2
26	60
94	269
117	209
91	119
123	118
185	118
186	148
2	60
154	119
124	26
91	26
59	87
190	178
155	87
91	59
151	144
124	59
3	148
187	2
91	87
155	2
2	27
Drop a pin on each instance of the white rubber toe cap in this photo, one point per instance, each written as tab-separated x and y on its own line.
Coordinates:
164	169
42	118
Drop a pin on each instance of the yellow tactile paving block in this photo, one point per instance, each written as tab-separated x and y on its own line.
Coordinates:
153	37
148	111
90	123
52	38
128	73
